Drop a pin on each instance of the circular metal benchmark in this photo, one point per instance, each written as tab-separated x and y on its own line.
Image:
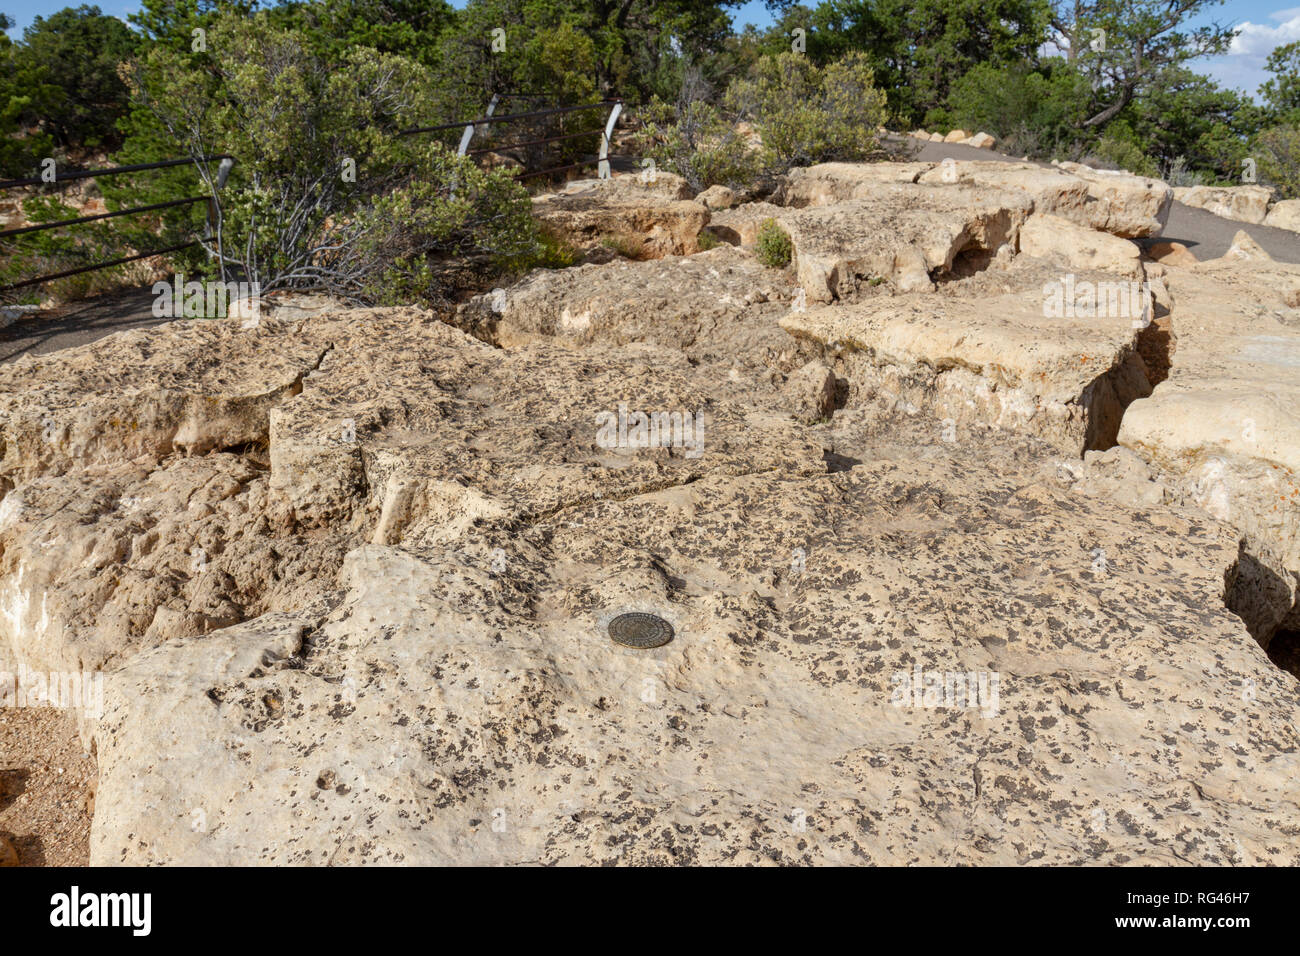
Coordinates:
640	630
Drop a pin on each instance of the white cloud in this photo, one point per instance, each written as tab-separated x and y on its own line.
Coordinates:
1242	67
1259	40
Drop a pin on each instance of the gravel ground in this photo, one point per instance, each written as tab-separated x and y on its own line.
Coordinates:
46	789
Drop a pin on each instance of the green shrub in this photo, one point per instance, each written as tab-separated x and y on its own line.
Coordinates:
1176	173
629	247
806	114
773	247
549	252
327	194
1040	111
58	250
1119	153
1277	156
695	139
803	113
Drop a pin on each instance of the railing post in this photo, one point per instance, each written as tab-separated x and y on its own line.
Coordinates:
223	173
605	139
468	135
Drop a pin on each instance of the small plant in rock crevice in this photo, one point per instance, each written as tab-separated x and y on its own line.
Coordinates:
773	247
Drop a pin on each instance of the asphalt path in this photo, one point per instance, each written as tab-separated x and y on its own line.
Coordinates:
79	323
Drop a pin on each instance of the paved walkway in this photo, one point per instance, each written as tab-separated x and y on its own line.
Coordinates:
79	323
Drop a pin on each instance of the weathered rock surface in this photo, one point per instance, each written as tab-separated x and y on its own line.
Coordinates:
1243	203
642	216
1046	236
658	183
719	306
438	710
1225	423
349	572
811	392
98	561
195	387
740	224
1171	254
902	234
1284	215
828	183
1124	204
718	197
1001	357
1245	248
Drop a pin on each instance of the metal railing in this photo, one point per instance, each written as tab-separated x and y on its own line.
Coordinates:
226	163
468	127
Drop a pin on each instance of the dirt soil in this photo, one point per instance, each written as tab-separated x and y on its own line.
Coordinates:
46	789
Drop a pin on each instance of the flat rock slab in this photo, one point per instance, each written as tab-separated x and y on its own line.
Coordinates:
408	430
1118	203
189	386
980	353
827	183
1242	203
1045	235
452	708
1225	423
1123	204
716	306
645	219
901	234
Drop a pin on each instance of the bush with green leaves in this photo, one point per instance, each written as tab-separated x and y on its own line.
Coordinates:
52	251
804	114
1276	153
1042	110
696	140
1119	148
772	246
327	194
808	114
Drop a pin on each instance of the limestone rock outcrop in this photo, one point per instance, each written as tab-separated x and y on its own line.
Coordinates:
1284	215
1243	203
903	234
1040	354
1048	236
1225	423
459	702
715	306
645	216
974	552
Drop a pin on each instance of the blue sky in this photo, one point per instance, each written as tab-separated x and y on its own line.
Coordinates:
1265	24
